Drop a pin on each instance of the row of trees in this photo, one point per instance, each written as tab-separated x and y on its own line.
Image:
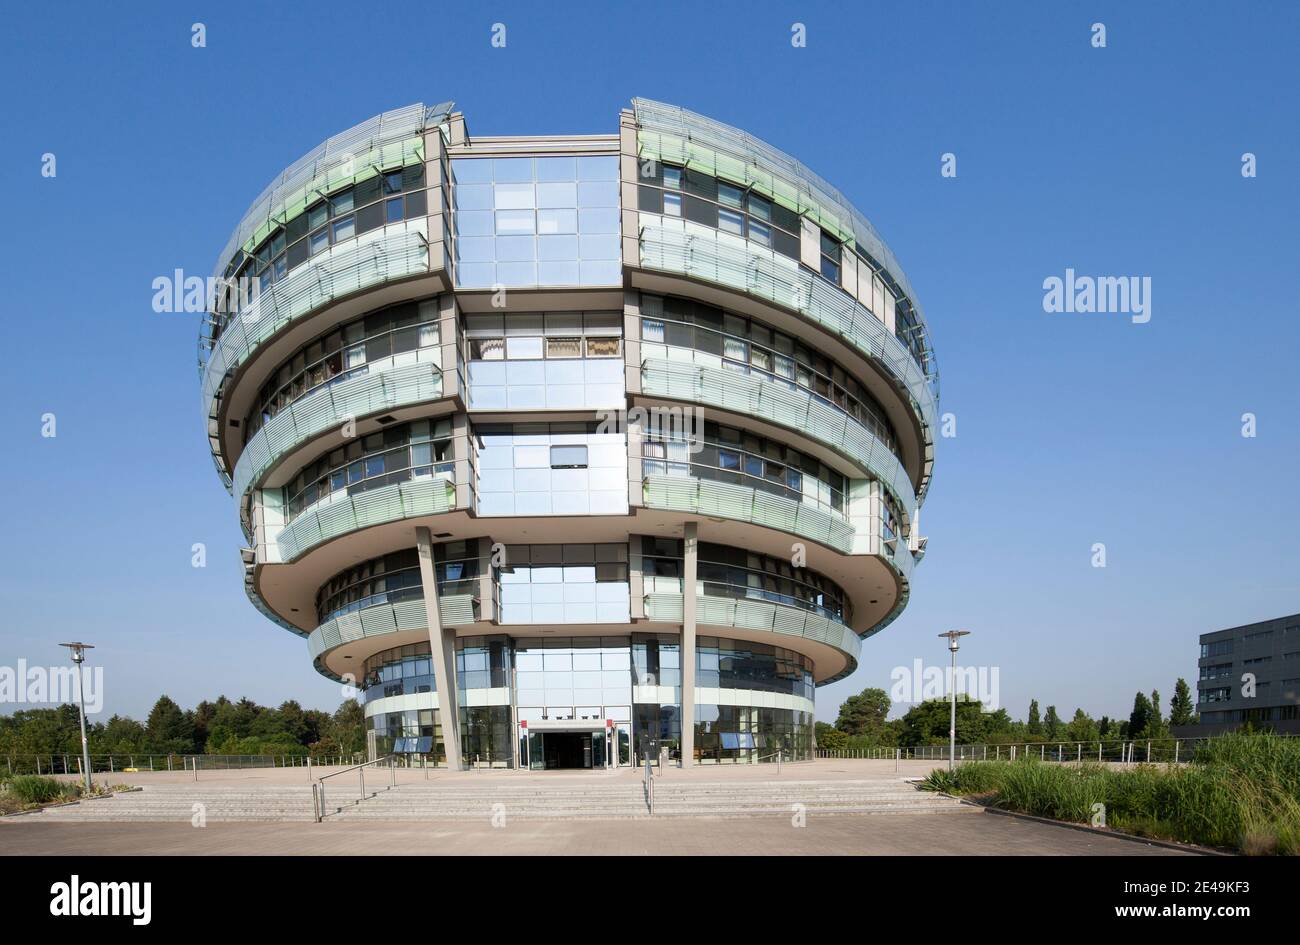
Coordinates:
863	722
222	727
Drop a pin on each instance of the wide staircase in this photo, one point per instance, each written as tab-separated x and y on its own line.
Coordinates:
176	803
432	801
524	798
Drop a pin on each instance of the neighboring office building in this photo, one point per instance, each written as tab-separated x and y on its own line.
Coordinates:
569	376
1270	651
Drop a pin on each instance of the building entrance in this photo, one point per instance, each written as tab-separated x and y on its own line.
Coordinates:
566	750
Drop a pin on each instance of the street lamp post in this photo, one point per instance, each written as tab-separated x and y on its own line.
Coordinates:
78	651
953	636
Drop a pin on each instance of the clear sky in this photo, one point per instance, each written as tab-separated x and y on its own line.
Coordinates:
1071	428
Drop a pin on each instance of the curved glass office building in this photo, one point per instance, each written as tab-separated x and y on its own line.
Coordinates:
565	450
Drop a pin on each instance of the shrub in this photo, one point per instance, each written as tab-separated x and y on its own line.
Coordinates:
32	789
1241	791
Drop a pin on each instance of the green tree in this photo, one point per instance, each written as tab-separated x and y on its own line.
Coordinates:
1034	725
1181	709
865	713
120	735
347	729
999	725
168	728
1156	727
1081	728
1052	724
830	737
927	723
1140	717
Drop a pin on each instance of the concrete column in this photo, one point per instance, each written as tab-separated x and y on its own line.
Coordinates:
442	644
690	571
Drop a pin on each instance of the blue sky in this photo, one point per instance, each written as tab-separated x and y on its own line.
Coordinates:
1071	428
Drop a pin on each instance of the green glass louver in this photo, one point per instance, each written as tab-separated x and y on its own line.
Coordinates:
456	610
760	615
328	407
325	521
797	409
702	253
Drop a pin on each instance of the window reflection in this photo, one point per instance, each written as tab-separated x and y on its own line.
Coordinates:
517	476
547	221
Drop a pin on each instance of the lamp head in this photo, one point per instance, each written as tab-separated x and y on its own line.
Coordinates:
953	636
78	650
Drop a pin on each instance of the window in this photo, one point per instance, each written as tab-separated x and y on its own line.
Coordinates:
750	347
394	455
603	347
552	335
830	257
564	347
343	215
721	205
568	457
730	196
344	353
555	221
731	222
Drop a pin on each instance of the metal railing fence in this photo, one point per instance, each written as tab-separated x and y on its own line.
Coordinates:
70	762
1126	751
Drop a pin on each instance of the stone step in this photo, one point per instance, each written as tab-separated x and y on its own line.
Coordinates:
468	800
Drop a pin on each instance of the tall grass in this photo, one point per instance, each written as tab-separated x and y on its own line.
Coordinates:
33	789
1240	791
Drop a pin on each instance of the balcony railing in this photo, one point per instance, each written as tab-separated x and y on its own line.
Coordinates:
423	495
331	405
727	260
794	409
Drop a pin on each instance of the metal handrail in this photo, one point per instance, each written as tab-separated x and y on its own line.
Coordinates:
648	784
779	755
361	775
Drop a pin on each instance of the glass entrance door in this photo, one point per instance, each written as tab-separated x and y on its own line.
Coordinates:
623	742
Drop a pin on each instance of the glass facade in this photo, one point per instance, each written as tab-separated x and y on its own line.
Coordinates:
704	199
739	664
736	734
555	360
690	194
724	571
747	346
396	577
482	662
524	469
391	197
573	677
592	681
544	221
580	583
729	454
399	334
421	449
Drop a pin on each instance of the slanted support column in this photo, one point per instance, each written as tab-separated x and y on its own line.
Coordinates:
442	644
690	570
